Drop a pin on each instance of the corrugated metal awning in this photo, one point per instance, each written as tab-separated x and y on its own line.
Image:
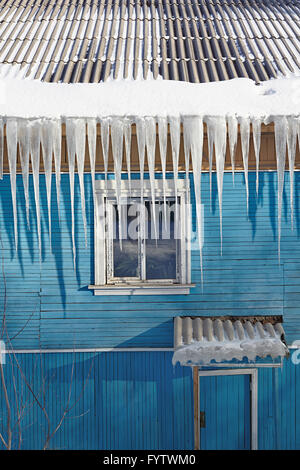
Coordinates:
200	341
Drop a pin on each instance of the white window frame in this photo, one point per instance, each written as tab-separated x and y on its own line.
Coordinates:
106	191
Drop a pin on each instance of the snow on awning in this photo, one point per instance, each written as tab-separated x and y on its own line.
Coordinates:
199	341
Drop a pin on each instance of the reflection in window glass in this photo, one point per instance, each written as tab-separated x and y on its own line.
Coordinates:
161	252
125	254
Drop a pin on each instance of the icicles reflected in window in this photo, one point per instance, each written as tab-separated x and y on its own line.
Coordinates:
161	251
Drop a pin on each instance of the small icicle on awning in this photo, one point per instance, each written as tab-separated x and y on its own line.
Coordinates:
28	135
200	340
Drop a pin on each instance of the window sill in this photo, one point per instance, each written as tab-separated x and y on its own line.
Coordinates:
142	289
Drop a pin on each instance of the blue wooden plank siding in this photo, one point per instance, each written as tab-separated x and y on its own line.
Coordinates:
137	400
53	301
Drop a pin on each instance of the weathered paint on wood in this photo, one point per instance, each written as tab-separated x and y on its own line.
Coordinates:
137	400
51	303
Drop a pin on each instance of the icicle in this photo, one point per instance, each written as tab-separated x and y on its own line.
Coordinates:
47	143
291	143
281	133
150	144
217	130
163	138
141	140
92	142
56	133
232	136
187	153
105	143
1	149
210	143
194	134
23	138
256	132
245	136
35	142
80	137
127	135
175	144
12	142
117	150
70	134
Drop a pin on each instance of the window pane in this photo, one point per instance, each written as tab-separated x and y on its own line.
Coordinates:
126	259
161	253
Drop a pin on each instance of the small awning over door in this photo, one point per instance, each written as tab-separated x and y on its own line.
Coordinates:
202	340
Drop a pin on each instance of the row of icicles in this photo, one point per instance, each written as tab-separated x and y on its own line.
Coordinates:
30	134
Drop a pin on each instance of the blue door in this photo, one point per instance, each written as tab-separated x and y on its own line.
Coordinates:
225	412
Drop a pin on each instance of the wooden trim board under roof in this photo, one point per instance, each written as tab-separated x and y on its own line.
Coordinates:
267	155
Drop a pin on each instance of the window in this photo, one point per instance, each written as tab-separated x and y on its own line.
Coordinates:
141	247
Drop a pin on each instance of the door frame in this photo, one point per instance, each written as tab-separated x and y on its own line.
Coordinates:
253	399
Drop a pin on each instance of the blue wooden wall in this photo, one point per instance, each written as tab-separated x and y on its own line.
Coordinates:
137	400
52	299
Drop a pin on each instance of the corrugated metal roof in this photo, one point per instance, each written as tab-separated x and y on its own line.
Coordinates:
202	340
196	41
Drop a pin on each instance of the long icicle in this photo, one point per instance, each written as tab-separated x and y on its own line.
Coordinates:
80	137
70	134
141	140
47	150
175	144
218	131
187	155
281	131
292	143
245	136
210	143
256	133
35	142
23	138
194	129
232	124
92	143
12	141
105	143
127	135
117	137
1	149
163	139
150	145
56	132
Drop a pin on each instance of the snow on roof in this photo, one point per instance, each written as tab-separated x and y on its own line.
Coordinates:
239	97
195	40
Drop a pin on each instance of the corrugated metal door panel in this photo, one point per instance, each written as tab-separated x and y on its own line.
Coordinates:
225	401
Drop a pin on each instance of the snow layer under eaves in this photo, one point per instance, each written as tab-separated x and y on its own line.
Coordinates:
240	97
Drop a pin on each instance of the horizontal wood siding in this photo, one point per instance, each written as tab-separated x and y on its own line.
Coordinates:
52	306
137	400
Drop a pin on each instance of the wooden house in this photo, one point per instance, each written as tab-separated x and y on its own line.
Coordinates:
90	323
